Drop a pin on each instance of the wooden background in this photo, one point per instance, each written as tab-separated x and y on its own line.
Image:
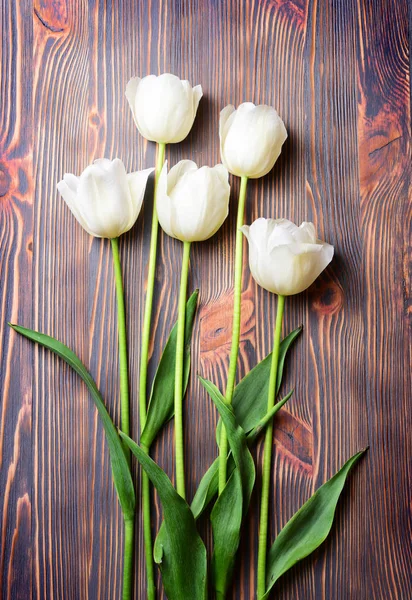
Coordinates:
339	73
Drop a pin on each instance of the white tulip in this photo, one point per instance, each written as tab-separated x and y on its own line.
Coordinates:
251	139
163	107
283	258
105	200
192	203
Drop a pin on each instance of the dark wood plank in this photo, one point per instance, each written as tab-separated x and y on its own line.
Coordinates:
339	73
16	251
384	128
335	368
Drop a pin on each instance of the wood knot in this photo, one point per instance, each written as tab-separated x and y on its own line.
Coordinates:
295	437
94	119
215	326
52	15
216	322
5	179
328	299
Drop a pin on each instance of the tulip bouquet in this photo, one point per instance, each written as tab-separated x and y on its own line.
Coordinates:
191	203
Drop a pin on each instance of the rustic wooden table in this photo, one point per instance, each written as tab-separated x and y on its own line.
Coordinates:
339	74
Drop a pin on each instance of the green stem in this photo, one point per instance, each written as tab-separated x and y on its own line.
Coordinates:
144	359
267	456
121	325
180	346
128	560
234	351
147	534
124	409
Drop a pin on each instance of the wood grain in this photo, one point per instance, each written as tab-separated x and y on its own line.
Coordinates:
339	74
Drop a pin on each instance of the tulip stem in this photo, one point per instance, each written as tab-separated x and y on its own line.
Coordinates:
267	456
234	351
144	359
124	410
127	592
180	346
121	324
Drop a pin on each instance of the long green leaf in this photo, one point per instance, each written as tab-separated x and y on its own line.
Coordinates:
250	396
161	403
120	468
233	502
226	521
182	555
308	528
209	484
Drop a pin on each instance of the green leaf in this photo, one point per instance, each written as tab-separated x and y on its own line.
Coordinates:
226	521
209	484
308	528
207	489
182	555
257	430
161	403
232	504
250	396
236	437
120	468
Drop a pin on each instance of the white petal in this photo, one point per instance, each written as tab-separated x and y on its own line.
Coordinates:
281	263
162	183
72	181
163	203
246	107
178	171
105	164
164	108
222	173
131	91
137	182
215	204
197	95
306	232
106	200
294	272
258	233
71	200
282	232
245	230
251	142
225	115
197	202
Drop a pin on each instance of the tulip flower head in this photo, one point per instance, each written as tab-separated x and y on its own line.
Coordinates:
283	258
251	139
164	107
105	200
192	203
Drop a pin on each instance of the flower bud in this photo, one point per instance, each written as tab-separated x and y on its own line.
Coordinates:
251	139
283	258
105	200
192	203
163	107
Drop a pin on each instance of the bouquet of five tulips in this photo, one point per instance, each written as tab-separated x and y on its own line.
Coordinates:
191	203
